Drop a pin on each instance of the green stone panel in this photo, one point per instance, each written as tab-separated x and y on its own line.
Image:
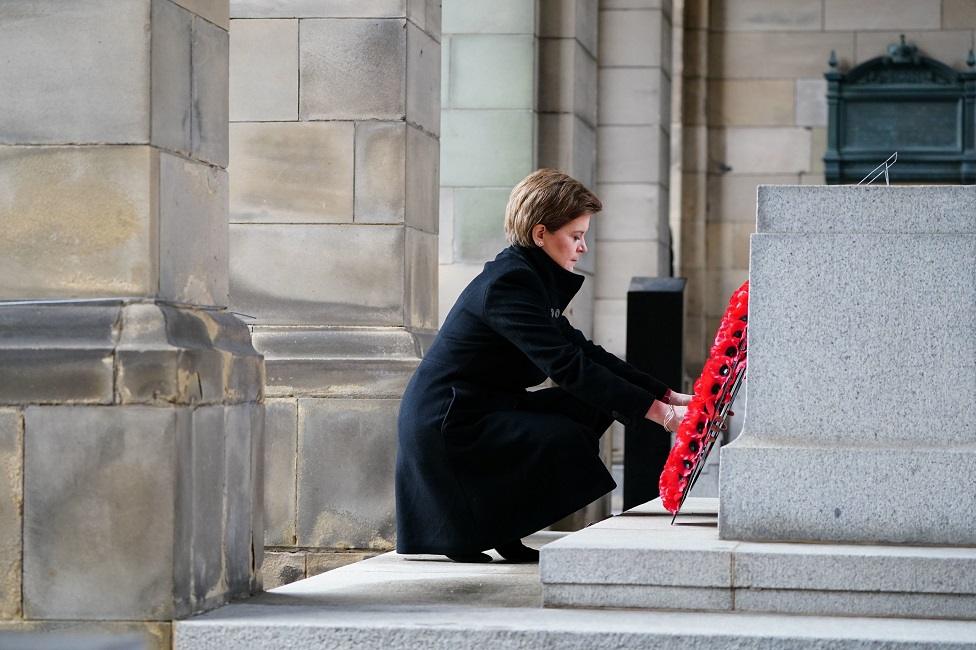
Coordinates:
479	215
486	147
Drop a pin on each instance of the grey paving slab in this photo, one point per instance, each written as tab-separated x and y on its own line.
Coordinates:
638	597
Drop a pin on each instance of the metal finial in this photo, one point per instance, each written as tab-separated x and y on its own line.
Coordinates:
971	59
832	61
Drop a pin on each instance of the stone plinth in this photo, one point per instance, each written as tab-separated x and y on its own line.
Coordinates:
861	425
640	560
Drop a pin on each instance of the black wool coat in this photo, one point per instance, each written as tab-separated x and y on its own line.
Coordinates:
481	461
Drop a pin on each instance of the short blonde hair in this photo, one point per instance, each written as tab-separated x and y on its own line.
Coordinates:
549	197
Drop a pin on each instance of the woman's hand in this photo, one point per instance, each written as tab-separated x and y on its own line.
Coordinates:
677	399
667	415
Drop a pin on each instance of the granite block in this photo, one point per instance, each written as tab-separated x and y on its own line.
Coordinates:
868	210
351	506
838	492
263	70
857	603
636	597
597	556
76	460
11	505
48	46
193	255
281	442
352	69
423	80
170	72
380	177
210	88
79	221
865	304
297	172
279	275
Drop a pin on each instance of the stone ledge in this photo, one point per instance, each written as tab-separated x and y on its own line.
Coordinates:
125	352
655	565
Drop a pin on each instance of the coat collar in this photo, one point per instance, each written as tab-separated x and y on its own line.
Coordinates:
562	283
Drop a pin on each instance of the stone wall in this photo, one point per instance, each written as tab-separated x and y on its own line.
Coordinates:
755	113
335	118
131	413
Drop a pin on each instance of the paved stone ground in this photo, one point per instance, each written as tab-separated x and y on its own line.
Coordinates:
395	602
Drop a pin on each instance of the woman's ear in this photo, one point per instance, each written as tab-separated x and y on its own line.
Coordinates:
537	231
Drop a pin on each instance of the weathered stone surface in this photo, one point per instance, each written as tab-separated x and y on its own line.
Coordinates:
281	447
732	197
629	154
767	15
209	475
568	143
280	275
352	505
77	459
882	14
317	563
958	14
57	353
256	532
297	172
238	494
422	180
47	46
492	71
192	232
733	102
811	102
171	85
421	280
478	222
338	362
281	568
630	212
216	11
506	17
486	147
423	80
380	172
210	87
775	55
78	222
633	96
639	38
317	9
352	69
85	635
567	78
11	503
570	19
702	599
761	150
264	70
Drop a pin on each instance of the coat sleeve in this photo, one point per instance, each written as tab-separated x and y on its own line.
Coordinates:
516	307
612	362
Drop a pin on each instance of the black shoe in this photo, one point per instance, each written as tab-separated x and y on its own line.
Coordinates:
470	557
517	552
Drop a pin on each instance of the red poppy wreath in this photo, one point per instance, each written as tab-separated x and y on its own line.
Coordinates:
709	407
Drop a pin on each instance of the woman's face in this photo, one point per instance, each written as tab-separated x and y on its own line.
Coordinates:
568	244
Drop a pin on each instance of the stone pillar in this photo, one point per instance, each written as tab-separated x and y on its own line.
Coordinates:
130	399
489	112
861	419
334	129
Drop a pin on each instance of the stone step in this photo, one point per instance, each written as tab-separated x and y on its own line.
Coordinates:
640	560
396	602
